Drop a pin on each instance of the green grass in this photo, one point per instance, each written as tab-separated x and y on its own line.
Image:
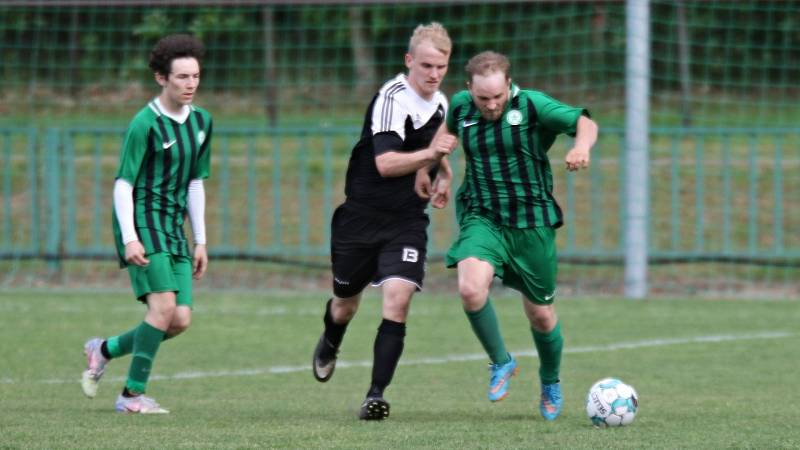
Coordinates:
240	377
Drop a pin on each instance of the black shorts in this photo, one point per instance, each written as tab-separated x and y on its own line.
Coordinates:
369	246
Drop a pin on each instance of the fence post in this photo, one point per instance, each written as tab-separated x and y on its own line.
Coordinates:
52	199
637	112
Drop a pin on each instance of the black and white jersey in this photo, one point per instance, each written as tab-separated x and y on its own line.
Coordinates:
397	119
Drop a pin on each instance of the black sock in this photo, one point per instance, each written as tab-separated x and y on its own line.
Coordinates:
387	351
334	332
129	394
104	350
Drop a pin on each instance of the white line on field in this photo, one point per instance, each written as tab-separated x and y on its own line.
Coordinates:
449	358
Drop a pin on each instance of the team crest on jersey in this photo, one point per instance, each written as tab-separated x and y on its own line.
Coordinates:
514	117
201	136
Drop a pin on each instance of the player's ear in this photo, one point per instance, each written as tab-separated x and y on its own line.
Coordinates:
409	59
160	79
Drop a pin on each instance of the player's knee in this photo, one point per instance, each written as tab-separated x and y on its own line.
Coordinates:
160	312
542	319
396	308
180	323
343	311
472	293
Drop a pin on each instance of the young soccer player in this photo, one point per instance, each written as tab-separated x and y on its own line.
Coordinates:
507	212
379	234
165	157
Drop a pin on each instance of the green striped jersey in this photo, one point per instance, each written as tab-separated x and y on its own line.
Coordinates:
159	157
508	175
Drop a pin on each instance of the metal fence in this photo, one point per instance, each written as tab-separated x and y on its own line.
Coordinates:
717	195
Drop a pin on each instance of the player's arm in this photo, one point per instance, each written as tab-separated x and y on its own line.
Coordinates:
585	137
393	163
123	208
196	207
441	187
134	148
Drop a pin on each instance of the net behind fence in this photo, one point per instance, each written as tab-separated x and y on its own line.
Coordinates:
288	85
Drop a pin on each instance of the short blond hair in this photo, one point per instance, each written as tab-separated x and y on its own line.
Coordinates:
434	33
487	62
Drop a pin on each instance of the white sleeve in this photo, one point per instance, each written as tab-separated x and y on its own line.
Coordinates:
389	113
123	208
196	205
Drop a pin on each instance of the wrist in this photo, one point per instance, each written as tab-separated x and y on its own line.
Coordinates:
433	156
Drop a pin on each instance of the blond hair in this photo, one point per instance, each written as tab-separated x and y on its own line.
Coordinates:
487	62
434	33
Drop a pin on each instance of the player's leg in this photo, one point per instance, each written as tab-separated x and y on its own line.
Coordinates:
338	314
533	271
401	271
160	310
99	351
479	253
546	331
157	284
388	346
182	318
353	264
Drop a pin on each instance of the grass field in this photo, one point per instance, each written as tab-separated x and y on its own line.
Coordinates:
710	374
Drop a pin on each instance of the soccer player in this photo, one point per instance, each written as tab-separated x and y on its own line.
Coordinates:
379	234
507	213
164	159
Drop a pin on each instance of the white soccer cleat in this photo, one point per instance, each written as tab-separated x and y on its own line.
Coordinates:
95	366
138	405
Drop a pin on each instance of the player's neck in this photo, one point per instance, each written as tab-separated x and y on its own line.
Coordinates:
169	105
417	90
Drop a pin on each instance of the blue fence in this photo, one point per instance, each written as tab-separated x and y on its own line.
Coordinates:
716	195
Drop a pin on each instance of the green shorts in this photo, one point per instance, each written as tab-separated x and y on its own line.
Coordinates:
165	273
524	258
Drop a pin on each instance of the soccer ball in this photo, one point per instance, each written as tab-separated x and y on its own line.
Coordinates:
611	403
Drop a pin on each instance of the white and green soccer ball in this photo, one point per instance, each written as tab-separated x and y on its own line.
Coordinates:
611	403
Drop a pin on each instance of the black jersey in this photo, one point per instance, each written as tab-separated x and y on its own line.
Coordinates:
397	119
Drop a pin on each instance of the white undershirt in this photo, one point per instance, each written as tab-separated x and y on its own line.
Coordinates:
195	205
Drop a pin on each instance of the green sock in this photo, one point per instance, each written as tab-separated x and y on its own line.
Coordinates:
484	324
121	345
549	345
145	346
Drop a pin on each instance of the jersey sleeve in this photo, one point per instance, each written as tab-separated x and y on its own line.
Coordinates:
388	123
556	116
203	167
134	149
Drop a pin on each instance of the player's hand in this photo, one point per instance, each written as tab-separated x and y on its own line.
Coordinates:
134	254
577	158
200	261
422	184
441	192
443	144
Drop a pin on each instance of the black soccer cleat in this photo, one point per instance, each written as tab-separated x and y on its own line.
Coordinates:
374	408
324	360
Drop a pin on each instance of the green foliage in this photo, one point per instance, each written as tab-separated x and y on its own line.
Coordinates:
739	53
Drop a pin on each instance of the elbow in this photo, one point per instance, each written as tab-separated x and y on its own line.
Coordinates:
591	125
384	169
384	172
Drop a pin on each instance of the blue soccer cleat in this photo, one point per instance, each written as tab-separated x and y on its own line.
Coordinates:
498	382
552	401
